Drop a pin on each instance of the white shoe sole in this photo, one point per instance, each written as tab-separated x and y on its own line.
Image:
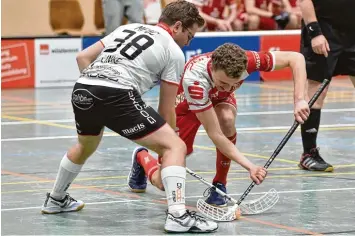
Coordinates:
48	211
182	229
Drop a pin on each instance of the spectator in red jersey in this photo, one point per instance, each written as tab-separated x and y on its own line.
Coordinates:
291	6
265	15
212	11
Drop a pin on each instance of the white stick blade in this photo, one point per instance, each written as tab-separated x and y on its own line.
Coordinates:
260	205
253	207
216	213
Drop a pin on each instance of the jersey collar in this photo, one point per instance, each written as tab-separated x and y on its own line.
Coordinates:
165	27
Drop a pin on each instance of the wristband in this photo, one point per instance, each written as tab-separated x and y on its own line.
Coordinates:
314	29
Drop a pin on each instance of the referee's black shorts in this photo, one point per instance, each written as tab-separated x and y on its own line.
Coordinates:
341	58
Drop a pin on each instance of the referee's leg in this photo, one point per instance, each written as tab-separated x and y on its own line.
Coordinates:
113	14
135	11
352	78
317	67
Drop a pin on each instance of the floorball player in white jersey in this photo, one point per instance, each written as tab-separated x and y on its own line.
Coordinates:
115	72
206	96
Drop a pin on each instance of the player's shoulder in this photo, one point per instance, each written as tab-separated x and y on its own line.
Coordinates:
130	26
125	27
176	52
120	29
199	61
196	69
143	28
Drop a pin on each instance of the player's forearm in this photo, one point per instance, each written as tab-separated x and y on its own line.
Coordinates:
88	55
298	67
308	12
82	62
230	150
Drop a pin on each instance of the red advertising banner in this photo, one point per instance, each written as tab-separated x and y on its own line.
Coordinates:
279	43
17	64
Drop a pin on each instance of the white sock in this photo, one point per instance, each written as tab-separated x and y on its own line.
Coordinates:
174	183
66	174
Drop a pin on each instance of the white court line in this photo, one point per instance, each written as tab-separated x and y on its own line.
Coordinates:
46	138
56	110
35	121
335	190
283	127
253	113
291	112
90	203
240	130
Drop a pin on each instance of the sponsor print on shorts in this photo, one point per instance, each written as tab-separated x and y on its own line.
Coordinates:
83	99
140	108
133	130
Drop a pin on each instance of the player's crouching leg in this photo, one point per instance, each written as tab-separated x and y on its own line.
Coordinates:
173	177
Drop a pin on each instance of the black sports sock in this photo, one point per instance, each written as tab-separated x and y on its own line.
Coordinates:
309	130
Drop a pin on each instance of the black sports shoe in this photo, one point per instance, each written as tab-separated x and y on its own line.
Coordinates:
314	162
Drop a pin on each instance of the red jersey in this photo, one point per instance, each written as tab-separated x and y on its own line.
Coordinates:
214	8
197	91
294	3
261	4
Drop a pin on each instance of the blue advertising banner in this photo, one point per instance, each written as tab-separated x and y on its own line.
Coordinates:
207	44
88	41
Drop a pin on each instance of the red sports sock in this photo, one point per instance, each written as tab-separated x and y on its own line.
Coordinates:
149	164
223	164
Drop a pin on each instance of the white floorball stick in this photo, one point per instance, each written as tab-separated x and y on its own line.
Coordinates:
256	206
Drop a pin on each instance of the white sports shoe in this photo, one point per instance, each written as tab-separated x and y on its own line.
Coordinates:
189	222
67	204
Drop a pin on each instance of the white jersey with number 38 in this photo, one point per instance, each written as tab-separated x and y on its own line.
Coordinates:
136	56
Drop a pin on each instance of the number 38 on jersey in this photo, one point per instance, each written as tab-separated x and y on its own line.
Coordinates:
132	45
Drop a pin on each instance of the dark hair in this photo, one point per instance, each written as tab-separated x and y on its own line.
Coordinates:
231	59
183	11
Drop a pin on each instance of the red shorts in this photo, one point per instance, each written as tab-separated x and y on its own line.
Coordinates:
267	23
188	124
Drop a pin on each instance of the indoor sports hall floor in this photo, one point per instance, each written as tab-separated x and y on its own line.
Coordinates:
37	128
